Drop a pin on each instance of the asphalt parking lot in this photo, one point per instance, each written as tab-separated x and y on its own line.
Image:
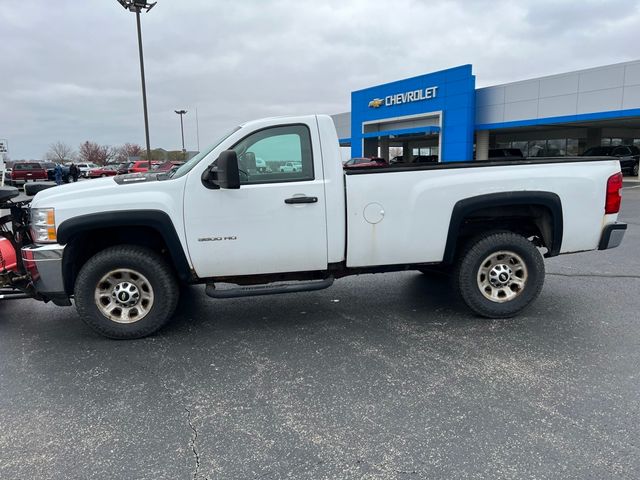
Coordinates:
381	376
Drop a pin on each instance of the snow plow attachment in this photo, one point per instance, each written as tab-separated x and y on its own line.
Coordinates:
15	281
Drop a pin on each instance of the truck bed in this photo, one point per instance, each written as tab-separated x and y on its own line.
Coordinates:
431	191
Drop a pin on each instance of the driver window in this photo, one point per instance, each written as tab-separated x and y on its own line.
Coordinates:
277	154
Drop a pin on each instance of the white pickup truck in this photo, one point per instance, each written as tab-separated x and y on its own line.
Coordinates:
120	247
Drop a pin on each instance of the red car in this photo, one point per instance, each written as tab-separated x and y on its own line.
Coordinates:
167	166
140	166
106	171
365	162
25	171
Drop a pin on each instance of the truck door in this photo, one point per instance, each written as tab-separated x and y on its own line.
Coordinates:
275	222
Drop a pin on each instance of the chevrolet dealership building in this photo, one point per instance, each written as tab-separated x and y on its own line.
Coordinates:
444	116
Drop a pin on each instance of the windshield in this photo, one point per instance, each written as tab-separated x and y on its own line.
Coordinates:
187	167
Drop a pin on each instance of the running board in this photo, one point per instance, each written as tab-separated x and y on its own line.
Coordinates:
13	295
255	290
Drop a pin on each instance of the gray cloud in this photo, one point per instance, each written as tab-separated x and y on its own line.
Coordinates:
70	69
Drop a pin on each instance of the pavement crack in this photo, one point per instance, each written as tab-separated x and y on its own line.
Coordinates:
599	275
192	443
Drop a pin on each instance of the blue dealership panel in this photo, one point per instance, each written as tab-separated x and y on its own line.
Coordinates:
450	91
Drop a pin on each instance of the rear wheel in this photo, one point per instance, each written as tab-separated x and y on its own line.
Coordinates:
126	292
636	169
499	274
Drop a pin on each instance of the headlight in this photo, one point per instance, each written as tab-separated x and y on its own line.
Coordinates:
43	225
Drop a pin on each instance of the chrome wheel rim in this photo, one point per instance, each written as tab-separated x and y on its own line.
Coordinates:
124	296
502	276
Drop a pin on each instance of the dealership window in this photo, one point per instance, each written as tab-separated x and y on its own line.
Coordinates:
573	147
522	146
537	148
425	151
557	147
609	141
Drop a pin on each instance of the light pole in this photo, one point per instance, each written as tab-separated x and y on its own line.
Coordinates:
136	6
181	113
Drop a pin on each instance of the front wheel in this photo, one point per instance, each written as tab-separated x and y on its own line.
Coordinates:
636	169
126	292
499	274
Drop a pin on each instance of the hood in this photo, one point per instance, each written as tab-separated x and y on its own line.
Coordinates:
90	189
73	190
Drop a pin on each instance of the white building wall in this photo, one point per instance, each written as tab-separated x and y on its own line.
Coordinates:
601	89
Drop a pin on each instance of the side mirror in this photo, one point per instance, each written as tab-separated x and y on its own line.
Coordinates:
223	173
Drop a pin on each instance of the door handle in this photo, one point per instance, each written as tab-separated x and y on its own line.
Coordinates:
294	200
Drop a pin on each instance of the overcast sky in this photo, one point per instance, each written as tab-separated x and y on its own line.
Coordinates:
70	71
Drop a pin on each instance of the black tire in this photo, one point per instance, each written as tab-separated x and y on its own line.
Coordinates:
636	169
147	264
33	188
469	277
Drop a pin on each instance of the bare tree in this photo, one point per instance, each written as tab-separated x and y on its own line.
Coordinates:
91	152
395	152
123	152
59	152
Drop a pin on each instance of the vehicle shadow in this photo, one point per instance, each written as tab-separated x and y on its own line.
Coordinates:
371	298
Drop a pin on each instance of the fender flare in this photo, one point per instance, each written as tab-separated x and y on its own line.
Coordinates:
467	206
155	219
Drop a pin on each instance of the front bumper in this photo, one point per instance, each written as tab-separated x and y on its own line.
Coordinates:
44	264
612	235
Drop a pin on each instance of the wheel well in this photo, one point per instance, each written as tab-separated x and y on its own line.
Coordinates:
526	220
82	246
537	217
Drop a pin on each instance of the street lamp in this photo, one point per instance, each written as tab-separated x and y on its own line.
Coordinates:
136	6
181	113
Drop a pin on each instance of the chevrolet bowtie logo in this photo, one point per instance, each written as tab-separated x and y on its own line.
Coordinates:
376	102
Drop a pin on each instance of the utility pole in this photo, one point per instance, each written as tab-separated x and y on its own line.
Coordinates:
197	131
181	113
136	6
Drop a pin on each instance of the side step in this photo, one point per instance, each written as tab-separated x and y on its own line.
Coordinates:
10	294
268	289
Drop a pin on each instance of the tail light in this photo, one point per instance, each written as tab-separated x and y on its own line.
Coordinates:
612	203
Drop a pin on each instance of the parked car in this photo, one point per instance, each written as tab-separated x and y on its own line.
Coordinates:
166	166
425	159
261	166
505	154
359	162
417	159
28	171
106	171
85	168
291	167
628	155
7	176
51	174
140	166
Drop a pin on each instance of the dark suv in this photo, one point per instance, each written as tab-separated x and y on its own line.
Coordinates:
505	154
628	155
